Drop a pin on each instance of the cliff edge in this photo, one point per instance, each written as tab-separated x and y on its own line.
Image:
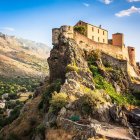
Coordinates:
88	95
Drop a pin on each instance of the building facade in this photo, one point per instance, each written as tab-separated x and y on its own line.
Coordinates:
95	33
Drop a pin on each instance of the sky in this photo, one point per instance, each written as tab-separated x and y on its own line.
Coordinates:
34	19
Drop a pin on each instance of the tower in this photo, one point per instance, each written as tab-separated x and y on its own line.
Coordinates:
118	39
132	59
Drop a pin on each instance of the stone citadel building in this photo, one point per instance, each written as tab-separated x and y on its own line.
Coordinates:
96	38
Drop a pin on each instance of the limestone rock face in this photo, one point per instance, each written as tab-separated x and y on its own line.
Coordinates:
65	53
68	63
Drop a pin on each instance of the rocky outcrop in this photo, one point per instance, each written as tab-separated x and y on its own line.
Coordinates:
68	62
65	53
82	94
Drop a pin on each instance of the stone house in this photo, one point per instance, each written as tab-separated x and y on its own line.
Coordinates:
95	33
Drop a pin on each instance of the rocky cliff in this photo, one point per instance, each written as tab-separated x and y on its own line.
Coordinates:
87	95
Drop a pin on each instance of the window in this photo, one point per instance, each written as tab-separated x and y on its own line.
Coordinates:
98	39
92	29
93	38
98	30
103	32
103	40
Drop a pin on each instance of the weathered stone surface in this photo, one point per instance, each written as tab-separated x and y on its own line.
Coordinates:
83	132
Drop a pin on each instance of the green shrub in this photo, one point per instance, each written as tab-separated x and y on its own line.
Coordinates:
72	68
47	95
80	29
30	96
102	83
90	100
13	96
75	118
1	137
137	95
40	129
13	115
107	64
93	56
2	121
58	101
13	136
94	70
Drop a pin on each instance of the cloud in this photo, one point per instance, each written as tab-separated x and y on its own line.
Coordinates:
133	0
106	1
9	29
86	4
128	12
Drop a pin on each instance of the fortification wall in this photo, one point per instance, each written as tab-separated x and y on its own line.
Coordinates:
123	64
88	44
119	53
66	31
114	61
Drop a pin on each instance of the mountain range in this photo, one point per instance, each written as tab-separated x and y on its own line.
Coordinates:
22	57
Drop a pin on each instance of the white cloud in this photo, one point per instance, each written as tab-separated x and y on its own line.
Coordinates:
10	29
133	0
128	12
106	1
86	4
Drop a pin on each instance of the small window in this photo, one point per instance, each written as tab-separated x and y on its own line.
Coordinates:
103	40
98	30
93	38
98	39
103	32
92	29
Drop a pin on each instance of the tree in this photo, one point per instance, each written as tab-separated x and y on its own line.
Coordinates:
80	29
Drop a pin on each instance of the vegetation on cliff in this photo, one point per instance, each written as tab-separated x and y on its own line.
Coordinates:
103	82
81	93
80	29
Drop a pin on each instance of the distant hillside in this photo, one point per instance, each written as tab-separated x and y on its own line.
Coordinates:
21	57
35	47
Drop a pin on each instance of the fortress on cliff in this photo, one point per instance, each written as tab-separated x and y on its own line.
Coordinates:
96	38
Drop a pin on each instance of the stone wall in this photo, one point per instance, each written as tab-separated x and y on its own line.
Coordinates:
118	52
114	62
131	51
66	31
88	44
123	64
